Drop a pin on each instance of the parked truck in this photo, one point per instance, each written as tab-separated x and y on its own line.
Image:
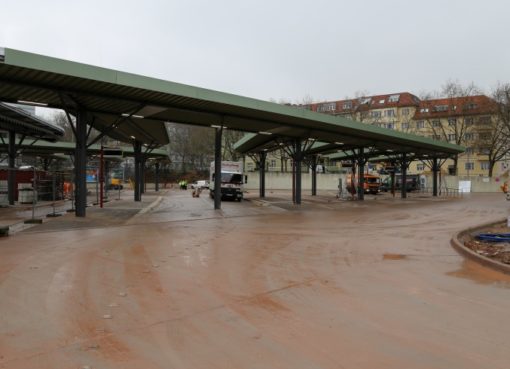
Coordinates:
412	183
231	180
371	183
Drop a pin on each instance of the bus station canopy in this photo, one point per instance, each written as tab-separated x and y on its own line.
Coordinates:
42	148
19	121
132	107
375	140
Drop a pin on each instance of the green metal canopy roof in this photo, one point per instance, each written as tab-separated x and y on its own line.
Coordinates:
19	121
377	141
128	105
68	148
346	146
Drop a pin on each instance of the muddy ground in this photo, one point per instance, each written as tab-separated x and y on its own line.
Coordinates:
259	284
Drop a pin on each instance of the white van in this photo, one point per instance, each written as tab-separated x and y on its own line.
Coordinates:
200	184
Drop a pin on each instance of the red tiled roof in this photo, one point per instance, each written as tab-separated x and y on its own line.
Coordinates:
401	99
455	106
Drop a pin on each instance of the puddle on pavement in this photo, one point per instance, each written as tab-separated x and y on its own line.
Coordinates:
394	256
480	274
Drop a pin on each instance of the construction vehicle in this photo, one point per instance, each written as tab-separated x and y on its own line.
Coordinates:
231	180
116	180
371	184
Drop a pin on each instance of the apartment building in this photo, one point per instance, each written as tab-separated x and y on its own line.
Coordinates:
393	111
469	121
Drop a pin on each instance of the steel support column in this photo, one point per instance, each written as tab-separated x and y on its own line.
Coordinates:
217	168
106	176
393	181
262	174
293	180
11	176
298	158
314	175
361	175
142	174
137	146
156	177
101	177
80	164
403	170
435	170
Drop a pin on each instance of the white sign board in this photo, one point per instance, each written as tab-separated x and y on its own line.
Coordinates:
464	186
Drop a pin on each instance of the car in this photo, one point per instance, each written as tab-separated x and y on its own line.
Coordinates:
200	184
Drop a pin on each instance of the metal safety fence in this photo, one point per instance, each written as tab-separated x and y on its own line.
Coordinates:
36	191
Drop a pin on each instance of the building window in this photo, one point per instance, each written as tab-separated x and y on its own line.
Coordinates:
405	125
484	136
420	167
326	107
436	123
484	165
469	165
420	124
441	108
451	137
484	120
469	150
468	121
375	114
468	136
405	111
347	105
394	98
272	163
390	113
390	126
452	121
485	150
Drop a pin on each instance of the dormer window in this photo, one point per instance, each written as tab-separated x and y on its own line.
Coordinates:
441	108
394	98
326	107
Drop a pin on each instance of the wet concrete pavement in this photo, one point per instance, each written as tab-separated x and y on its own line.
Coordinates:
259	284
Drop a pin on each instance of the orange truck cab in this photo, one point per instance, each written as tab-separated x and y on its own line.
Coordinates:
371	184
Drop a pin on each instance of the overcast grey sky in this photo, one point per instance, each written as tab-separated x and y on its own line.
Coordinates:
275	49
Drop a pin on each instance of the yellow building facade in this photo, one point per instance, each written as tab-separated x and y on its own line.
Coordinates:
469	121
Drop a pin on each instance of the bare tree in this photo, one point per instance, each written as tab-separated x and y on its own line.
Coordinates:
493	137
492	141
501	95
306	100
60	119
229	138
191	147
458	107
